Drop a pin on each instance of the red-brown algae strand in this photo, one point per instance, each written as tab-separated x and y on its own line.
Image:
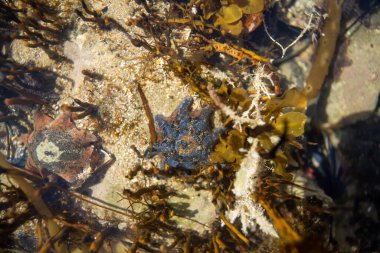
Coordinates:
325	51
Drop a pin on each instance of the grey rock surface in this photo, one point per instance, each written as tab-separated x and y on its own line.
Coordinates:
355	87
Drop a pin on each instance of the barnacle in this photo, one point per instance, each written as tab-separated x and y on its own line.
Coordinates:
186	138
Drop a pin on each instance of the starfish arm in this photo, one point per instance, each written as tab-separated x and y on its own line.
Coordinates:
202	123
185	105
206	114
160	148
188	165
216	133
183	113
172	162
207	141
165	126
41	120
83	137
63	122
150	153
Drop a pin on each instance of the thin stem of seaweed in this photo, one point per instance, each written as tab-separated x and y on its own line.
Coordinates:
326	49
148	112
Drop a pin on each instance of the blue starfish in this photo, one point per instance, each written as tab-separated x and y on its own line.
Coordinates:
186	138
